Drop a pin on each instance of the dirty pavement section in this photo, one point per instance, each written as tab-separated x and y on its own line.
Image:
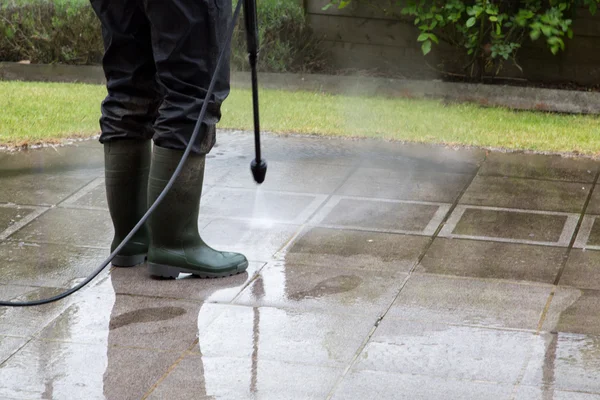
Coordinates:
378	270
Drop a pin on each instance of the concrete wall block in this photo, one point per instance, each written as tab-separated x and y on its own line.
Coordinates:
357	8
396	61
540	69
587	27
583	49
585	74
364	30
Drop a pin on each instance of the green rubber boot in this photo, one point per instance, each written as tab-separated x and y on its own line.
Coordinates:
126	166
175	244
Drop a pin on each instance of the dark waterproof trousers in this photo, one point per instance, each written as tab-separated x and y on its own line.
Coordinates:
160	56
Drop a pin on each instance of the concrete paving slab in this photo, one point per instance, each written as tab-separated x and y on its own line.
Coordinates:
39	189
405	183
594	206
394	156
215	172
293	177
293	208
386	386
47	265
543	393
594	237
258	240
339	290
381	215
588	236
14	291
294	336
511	226
322	150
473	302
69	226
582	270
207	378
537	166
445	351
26	322
348	249
492	260
128	321
528	194
93	196
12	215
10	345
76	159
571	311
59	370
565	362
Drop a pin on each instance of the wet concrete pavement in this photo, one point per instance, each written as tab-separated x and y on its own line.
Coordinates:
378	271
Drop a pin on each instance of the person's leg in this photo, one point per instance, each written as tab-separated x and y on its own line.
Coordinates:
128	114
188	37
186	47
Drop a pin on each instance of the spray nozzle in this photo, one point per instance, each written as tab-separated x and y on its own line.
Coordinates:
259	170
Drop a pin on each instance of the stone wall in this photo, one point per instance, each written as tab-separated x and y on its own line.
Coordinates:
363	37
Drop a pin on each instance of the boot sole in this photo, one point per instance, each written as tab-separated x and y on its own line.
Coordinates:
167	271
128	261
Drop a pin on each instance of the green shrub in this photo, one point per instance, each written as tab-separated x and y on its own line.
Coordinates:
488	32
286	41
49	31
67	31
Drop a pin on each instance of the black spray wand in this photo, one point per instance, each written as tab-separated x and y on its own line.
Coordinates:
258	165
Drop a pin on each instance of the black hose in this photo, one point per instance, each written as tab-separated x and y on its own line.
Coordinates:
159	198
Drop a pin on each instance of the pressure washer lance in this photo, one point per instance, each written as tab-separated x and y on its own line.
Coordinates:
258	166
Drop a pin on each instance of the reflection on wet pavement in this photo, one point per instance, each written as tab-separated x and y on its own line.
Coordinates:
386	386
370	277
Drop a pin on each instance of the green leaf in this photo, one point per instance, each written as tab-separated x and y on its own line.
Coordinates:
344	4
471	22
493	18
570	33
434	38
10	33
547	30
327	7
498	29
423	37
426	47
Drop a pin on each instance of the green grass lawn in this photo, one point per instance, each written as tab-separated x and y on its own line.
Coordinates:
47	112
